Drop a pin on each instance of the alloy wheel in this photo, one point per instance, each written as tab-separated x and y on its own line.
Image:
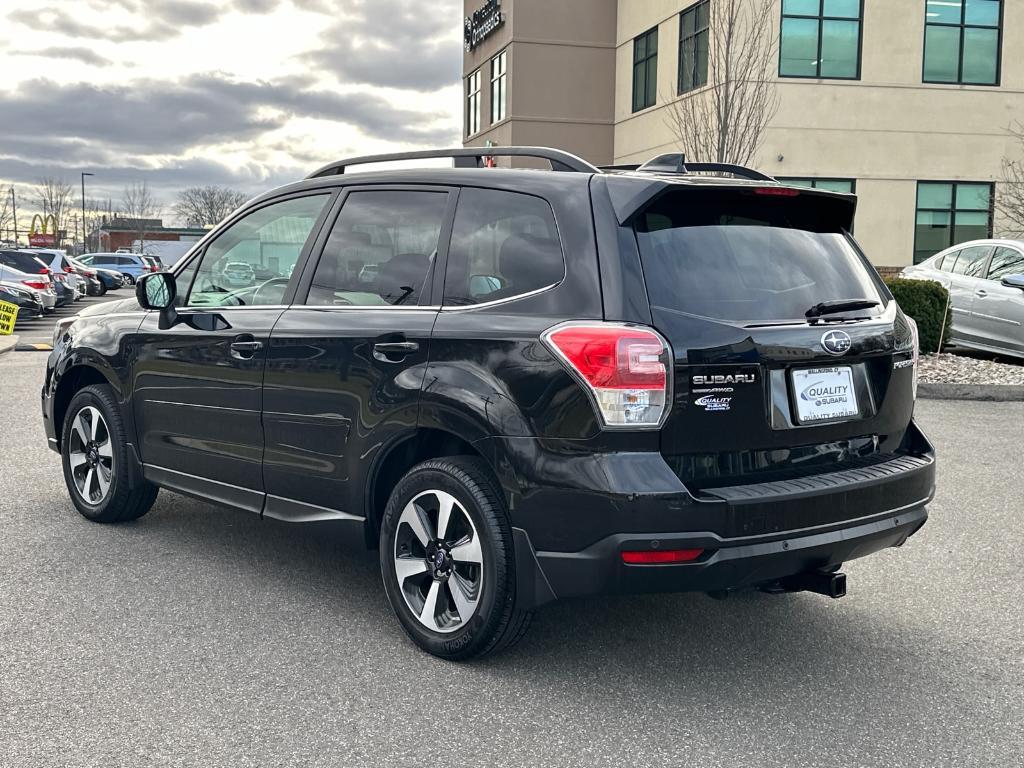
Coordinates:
90	455
438	561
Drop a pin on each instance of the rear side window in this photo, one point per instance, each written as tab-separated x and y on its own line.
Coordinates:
971	261
380	249
504	244
1006	261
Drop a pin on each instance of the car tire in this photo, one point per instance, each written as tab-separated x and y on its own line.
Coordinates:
103	289
476	551
94	456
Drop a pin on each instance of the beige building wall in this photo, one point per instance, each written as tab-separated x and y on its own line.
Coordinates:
561	60
887	130
570	86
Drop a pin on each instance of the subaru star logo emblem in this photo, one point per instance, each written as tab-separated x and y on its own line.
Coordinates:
836	342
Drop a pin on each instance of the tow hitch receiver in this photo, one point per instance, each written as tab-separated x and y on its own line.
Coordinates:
823	582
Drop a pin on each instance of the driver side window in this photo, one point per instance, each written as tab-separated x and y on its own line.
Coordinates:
252	261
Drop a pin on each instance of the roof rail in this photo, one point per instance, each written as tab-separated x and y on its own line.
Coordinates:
676	163
466	157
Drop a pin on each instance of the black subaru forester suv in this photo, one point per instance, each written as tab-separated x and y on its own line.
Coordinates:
523	385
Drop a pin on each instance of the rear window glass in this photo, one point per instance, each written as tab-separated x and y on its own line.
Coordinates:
740	257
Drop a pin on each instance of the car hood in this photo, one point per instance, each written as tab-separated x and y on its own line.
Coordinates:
111	307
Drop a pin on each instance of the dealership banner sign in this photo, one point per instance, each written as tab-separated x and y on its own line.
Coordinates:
8	316
480	25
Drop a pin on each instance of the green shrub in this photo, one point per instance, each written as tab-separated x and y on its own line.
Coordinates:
928	303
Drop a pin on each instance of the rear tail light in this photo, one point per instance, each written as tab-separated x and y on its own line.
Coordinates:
623	367
69	270
661	556
39	285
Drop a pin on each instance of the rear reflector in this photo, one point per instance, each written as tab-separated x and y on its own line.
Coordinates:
623	367
776	192
657	556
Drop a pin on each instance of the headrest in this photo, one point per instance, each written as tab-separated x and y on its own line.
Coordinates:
527	260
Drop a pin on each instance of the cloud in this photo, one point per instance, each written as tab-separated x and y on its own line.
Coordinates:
157	117
75	53
394	43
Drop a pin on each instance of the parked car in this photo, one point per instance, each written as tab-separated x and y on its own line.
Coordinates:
238	273
108	279
57	260
27	300
985	280
36	279
32	264
154	261
131	264
670	378
65	292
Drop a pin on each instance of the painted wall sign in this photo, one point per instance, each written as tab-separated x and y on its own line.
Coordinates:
480	25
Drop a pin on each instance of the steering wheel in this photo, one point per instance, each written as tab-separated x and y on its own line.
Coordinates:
274	280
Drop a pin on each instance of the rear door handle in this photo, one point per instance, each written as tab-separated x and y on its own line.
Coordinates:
245	347
981	292
388	351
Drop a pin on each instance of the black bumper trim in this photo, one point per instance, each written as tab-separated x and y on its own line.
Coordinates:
727	563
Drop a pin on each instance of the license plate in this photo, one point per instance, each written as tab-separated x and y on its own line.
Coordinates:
824	394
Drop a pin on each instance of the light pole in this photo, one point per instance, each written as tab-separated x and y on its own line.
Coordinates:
85	231
14	210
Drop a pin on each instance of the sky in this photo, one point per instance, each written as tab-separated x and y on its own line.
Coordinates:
249	94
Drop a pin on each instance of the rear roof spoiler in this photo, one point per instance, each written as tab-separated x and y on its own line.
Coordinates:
631	194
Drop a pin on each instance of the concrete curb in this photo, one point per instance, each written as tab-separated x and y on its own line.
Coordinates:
7	343
992	393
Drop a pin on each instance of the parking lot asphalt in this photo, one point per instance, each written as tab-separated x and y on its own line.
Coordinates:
199	636
39	330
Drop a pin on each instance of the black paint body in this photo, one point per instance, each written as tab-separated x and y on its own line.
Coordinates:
314	425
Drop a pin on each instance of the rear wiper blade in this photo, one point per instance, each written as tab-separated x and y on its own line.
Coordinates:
839	305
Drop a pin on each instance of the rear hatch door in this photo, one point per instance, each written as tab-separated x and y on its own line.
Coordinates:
790	356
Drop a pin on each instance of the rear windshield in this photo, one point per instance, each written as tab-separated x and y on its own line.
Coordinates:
742	257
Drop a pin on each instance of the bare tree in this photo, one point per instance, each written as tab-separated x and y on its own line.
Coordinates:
1009	202
54	197
6	213
206	206
725	122
138	206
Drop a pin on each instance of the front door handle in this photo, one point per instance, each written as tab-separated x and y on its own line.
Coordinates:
245	347
981	292
393	351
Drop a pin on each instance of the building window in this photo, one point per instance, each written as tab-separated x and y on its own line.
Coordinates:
499	92
962	41
693	46
821	38
645	70
473	103
832	185
949	213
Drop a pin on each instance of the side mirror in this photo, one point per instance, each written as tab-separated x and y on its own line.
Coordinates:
1014	281
158	290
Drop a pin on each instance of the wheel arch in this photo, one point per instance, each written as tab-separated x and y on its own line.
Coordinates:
426	443
76	377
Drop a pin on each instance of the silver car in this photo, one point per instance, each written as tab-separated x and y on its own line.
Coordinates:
985	280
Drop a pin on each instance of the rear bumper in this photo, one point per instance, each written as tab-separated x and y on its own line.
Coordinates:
750	534
726	563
